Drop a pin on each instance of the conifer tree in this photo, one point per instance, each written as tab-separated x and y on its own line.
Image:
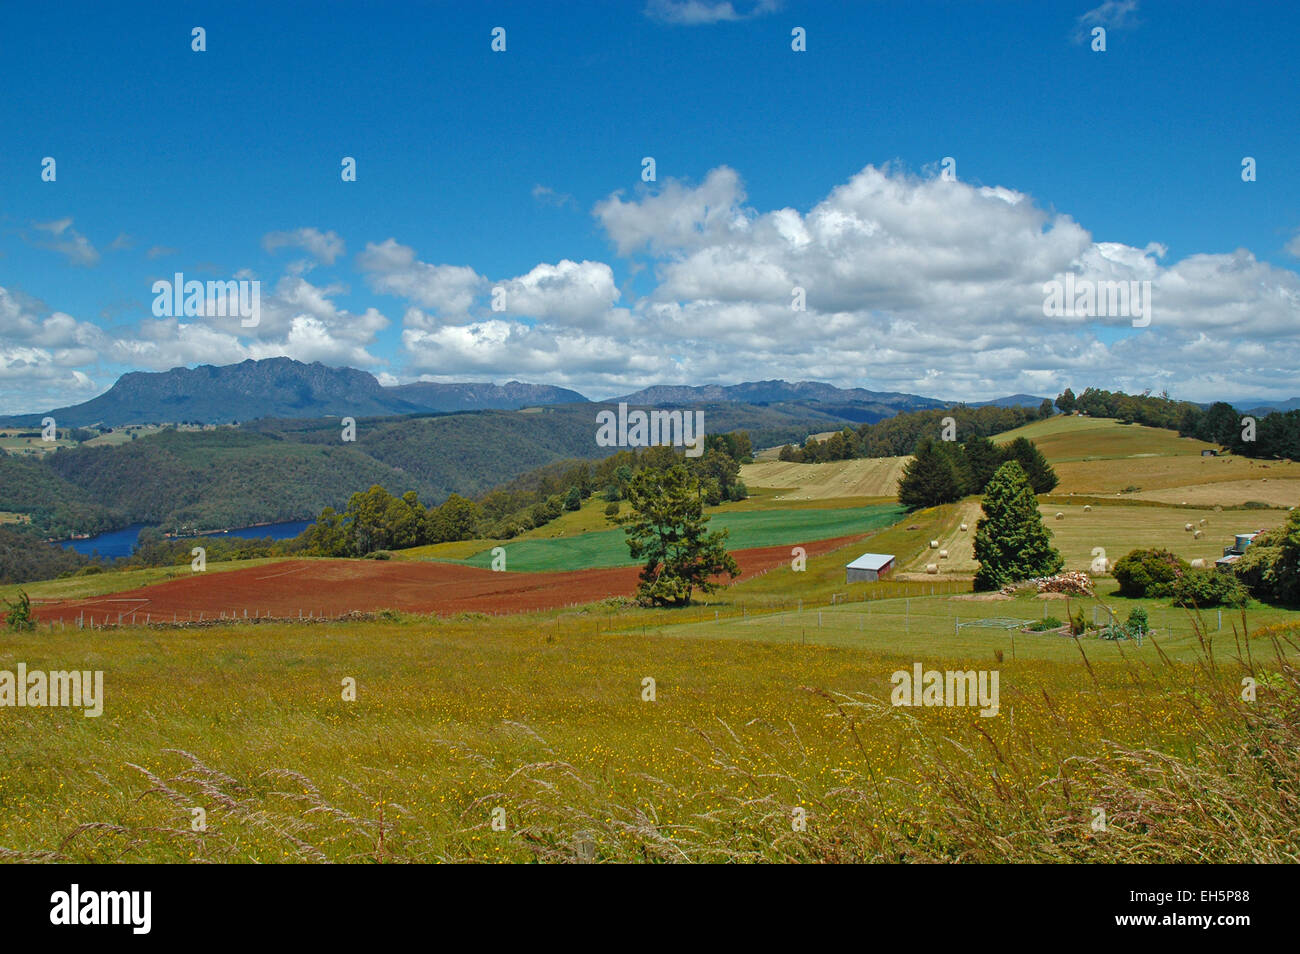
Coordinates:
1011	543
930	478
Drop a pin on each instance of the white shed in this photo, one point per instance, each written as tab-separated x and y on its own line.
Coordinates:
869	566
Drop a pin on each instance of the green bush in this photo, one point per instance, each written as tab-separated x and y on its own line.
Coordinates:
611	509
1138	623
1149	573
1270	567
18	613
1203	588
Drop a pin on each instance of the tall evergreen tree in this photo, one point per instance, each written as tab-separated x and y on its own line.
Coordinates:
983	457
1011	542
1041	476
930	478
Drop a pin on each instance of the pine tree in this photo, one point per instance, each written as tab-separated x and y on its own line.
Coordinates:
1041	476
1011	542
983	458
930	478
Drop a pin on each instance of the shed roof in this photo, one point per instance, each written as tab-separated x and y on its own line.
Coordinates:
870	561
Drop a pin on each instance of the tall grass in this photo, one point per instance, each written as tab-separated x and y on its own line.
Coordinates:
1184	767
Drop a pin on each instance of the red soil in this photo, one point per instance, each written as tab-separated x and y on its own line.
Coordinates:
335	587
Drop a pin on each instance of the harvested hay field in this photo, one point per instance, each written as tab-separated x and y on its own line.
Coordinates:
1166	473
862	477
1284	492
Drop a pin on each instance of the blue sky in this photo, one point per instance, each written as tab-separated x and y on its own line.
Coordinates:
521	170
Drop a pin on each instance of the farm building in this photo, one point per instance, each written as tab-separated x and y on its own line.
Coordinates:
1231	554
868	567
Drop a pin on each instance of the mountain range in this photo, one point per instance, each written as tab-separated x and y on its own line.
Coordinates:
284	388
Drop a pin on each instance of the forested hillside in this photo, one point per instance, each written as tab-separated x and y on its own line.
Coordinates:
223	478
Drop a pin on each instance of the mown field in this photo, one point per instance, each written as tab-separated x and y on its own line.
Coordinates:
861	477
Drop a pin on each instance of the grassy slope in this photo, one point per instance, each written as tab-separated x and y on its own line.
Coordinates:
747	529
1166	467
543	716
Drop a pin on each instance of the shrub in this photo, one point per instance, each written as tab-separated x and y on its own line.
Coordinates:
1150	573
1138	621
1046	623
1204	588
611	509
1270	567
18	613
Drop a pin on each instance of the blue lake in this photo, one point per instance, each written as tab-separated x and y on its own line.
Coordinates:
120	543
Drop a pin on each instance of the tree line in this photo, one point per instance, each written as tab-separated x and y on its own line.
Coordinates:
900	435
375	520
944	471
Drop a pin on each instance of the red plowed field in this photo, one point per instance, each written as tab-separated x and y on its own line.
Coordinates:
336	587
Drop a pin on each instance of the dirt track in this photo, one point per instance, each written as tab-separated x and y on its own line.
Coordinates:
332	588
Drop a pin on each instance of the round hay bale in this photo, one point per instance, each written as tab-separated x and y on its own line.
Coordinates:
1198	564
1187	527
932	568
1060	516
1087	508
1202	521
963	528
934	544
943	554
1196	534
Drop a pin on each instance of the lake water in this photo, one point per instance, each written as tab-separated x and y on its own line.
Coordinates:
120	543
